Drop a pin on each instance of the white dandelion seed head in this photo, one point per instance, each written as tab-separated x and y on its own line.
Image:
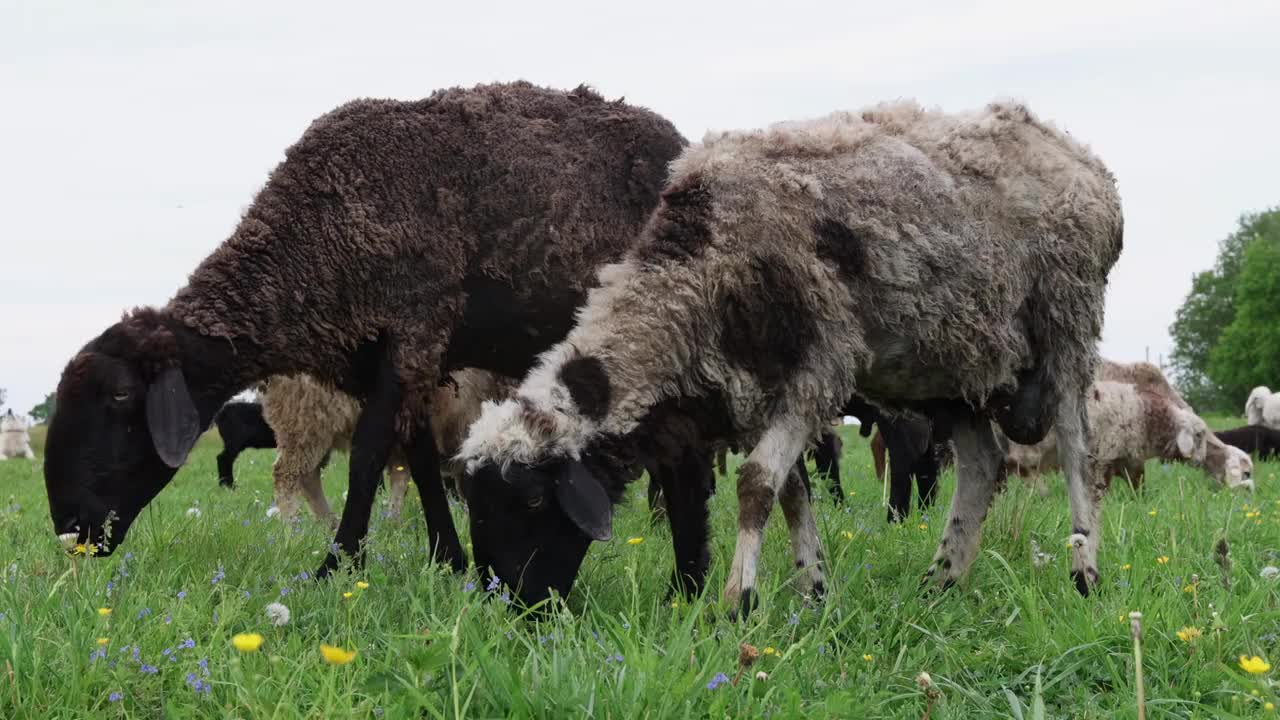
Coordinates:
1270	572
278	614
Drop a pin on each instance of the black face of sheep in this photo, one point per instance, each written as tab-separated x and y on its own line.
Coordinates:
531	526
124	424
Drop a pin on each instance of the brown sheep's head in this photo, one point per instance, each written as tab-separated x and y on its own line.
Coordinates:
125	421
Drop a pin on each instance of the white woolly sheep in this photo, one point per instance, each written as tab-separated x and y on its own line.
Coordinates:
1263	408
310	420
951	264
15	441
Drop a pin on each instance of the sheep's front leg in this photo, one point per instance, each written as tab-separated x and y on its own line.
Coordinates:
759	479
797	508
424	464
370	447
1085	486
686	489
978	463
313	489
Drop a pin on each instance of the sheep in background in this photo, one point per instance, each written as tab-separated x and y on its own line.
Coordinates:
15	440
241	426
396	242
311	420
1259	439
1263	408
954	264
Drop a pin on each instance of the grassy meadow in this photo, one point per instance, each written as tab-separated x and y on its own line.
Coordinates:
147	633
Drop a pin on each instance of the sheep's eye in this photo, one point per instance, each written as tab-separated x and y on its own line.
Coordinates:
120	396
535	502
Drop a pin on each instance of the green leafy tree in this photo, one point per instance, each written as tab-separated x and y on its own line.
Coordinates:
1210	308
44	411
1248	353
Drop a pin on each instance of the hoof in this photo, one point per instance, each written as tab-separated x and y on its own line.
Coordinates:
451	554
328	567
747	603
1085	580
819	590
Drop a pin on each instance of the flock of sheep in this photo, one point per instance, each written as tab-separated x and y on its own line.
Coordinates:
541	294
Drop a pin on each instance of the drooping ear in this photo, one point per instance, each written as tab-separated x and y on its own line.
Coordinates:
1186	440
584	500
172	417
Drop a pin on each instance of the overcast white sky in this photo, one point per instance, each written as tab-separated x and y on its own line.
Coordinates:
132	134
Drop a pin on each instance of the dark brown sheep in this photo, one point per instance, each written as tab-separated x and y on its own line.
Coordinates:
397	241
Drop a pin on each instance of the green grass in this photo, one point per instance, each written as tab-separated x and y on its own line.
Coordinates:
429	648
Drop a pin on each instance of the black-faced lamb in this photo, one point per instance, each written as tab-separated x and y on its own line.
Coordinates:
1254	439
1263	408
954	264
397	241
241	426
15	438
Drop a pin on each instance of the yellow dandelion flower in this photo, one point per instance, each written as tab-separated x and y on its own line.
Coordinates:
1188	634
868	657
848	535
1254	665
247	642
770	651
1152	513
348	595
1269	707
1127	566
924	526
104	611
675	604
635	540
1163	559
80	549
336	655
855	492
362	585
104	641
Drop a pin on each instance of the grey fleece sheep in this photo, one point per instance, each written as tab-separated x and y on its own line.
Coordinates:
397	241
954	264
15	441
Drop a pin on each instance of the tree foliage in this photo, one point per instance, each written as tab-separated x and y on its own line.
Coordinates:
44	411
1218	378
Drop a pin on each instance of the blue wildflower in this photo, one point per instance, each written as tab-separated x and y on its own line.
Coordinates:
304	575
149	669
794	619
115	697
135	653
168	619
217	577
493	583
717	681
284	591
167	652
187	644
504	597
128	556
246	595
469	586
245	523
143	613
204	665
182	594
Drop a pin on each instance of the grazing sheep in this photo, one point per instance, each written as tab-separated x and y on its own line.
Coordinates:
1129	424
15	441
1254	439
1263	408
241	426
826	460
311	420
396	242
950	264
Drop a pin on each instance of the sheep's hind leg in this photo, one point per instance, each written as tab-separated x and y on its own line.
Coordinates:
759	479
1083	491
226	464
797	508
978	462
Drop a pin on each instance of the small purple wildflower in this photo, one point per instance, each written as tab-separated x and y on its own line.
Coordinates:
626	625
794	619
182	594
135	653
204	665
333	548
717	681
143	613
504	597
149	669
168	619
303	576
115	697
493	583
284	591
2	617
128	556
245	523
217	577
469	586
187	644
246	595
614	658
822	649
167	652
